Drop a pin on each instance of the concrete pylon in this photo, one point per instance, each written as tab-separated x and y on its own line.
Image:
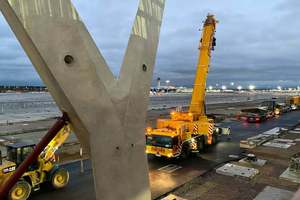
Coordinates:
108	114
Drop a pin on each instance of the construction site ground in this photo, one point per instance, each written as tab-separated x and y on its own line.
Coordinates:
33	131
194	178
213	186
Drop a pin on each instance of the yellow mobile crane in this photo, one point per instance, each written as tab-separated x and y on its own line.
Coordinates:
190	131
44	170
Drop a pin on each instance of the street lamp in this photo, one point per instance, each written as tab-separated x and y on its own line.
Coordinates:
167	83
251	87
239	88
224	87
279	88
210	87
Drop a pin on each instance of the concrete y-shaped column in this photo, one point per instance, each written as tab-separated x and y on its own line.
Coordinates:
108	115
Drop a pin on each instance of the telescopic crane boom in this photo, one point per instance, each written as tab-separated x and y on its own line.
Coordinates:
56	142
207	44
190	131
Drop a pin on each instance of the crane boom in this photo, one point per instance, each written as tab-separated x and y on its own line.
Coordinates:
189	132
55	143
206	45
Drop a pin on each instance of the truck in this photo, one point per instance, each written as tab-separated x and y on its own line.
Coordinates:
189	131
295	102
254	115
44	170
274	107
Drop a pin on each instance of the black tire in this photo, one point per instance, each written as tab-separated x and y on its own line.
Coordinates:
201	144
60	178
185	152
20	191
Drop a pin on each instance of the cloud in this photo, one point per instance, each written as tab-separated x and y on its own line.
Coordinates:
256	43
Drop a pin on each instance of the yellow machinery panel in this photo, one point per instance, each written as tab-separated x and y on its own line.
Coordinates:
6	170
295	100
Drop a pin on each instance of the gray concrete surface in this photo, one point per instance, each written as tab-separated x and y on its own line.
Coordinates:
236	170
272	193
108	114
20	107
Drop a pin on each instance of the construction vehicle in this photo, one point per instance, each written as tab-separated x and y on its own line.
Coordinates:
274	108
44	170
191	131
295	102
254	115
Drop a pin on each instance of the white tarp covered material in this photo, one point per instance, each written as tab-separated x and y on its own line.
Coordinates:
277	145
236	170
294	131
272	193
280	143
259	139
254	141
274	131
284	140
290	176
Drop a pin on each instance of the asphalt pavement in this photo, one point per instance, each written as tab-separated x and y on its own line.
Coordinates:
166	175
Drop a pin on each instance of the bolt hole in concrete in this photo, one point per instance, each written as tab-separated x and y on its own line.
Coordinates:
132	145
144	67
68	59
118	148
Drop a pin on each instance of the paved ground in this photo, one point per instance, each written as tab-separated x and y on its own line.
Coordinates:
32	131
18	107
166	175
213	186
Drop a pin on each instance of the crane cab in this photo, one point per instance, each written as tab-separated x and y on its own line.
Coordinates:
18	152
162	145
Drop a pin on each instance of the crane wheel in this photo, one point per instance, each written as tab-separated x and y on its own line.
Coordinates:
215	138
60	178
185	152
21	191
201	144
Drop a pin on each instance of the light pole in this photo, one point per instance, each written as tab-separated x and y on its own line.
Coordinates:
251	87
167	83
279	88
239	88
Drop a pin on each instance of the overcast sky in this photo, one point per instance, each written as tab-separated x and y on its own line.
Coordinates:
258	42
